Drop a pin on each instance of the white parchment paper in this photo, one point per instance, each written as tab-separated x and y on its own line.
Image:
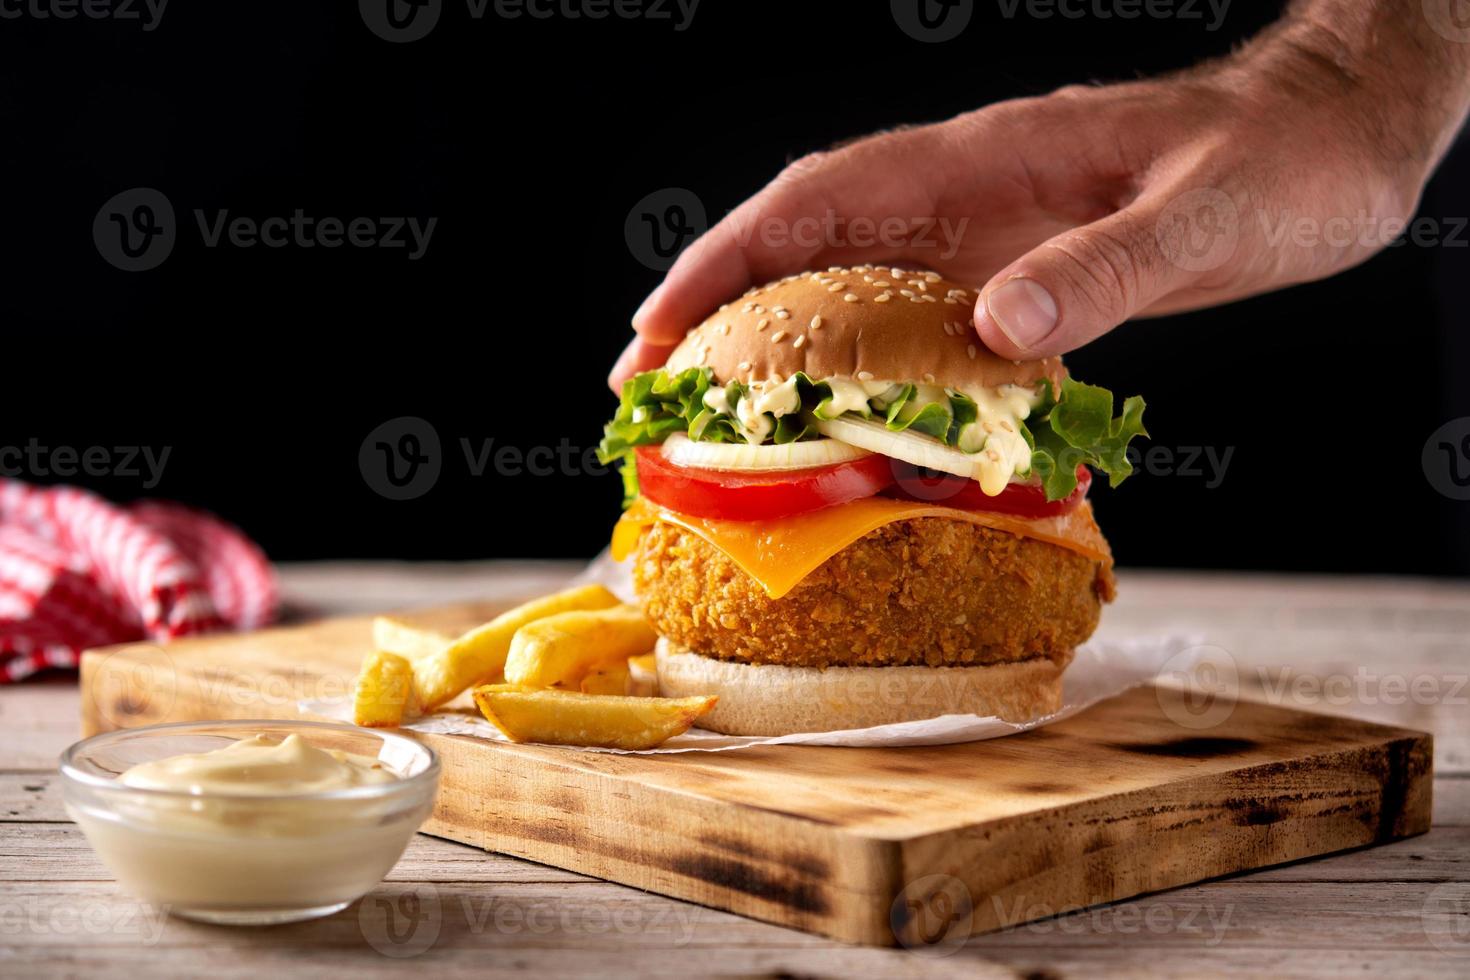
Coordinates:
1102	669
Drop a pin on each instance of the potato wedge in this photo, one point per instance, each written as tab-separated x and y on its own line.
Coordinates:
393	635
608	679
384	692
596	720
561	650
478	656
643	675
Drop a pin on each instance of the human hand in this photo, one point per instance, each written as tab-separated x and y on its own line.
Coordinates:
1295	159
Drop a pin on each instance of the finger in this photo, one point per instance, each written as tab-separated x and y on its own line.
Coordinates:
638	356
1084	282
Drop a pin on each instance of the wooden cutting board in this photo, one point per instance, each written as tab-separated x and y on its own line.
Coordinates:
917	846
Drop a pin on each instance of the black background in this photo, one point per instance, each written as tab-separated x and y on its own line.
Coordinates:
530	140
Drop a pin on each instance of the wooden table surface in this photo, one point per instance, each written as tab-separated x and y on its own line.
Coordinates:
1391	650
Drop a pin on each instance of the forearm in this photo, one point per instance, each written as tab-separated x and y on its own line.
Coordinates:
1396	70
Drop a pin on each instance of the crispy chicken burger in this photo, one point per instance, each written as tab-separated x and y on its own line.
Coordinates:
844	511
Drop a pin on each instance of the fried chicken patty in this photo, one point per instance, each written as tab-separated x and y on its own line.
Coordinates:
922	591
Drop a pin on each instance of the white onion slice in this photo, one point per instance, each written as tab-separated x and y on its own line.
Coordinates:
911	447
680	450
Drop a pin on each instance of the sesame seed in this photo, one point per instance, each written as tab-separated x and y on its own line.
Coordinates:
778	336
988	426
928	299
759	308
971	351
951	301
1016	363
850	298
947	331
724	307
867	278
798	342
762	324
836	287
929	379
747	308
724	330
782	315
1007	426
835	268
882	283
816	323
882	297
865	375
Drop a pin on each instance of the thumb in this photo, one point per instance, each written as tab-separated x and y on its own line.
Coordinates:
1084	282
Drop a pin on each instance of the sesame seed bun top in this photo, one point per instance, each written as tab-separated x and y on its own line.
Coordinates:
865	323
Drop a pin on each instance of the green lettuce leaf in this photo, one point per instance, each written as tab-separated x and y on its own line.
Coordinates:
1076	426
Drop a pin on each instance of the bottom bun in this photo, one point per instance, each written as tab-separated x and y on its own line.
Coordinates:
773	699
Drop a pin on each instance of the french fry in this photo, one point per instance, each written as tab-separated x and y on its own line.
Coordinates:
394	635
643	675
561	650
596	720
608	679
478	656
384	692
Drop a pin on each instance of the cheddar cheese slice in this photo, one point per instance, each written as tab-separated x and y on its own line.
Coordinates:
780	553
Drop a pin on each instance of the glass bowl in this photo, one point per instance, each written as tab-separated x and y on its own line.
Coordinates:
247	859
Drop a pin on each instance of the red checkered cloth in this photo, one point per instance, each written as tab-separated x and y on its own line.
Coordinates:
77	572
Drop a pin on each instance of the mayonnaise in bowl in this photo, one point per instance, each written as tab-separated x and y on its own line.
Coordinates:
249	822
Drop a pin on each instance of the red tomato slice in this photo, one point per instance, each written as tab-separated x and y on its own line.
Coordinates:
1021	499
736	495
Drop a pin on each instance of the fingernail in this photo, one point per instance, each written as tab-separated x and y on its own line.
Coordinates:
647	305
1023	311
